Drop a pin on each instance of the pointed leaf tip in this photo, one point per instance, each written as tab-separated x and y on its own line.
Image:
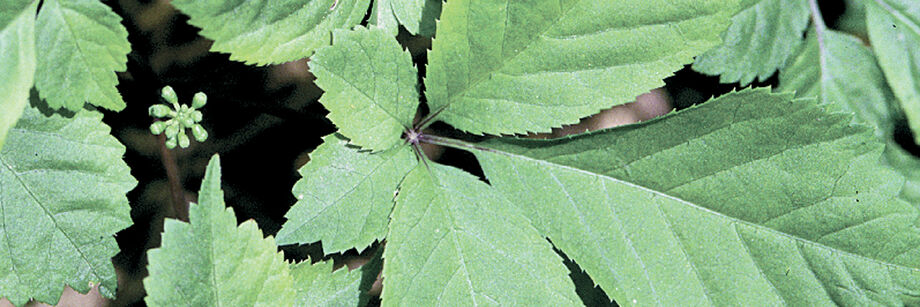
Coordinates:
515	74
83	44
213	247
370	87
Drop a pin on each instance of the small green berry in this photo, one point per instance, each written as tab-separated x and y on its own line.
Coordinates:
179	118
172	130
200	134
169	94
186	121
157	127
159	110
199	100
171	143
183	140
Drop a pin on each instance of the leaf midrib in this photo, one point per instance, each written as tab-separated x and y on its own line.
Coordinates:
472	83
454	233
484	76
467	146
81	53
51	217
373	101
6	234
327	205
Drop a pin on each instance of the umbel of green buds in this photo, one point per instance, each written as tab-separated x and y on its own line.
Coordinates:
178	118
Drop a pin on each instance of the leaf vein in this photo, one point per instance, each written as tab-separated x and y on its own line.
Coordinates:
51	217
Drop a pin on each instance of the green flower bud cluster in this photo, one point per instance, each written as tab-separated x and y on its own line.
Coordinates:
180	117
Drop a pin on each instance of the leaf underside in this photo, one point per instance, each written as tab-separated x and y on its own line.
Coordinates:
757	43
453	239
81	45
804	214
212	262
271	31
504	67
345	196
17	45
62	198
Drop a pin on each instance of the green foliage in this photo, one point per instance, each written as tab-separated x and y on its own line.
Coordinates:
271	31
909	166
381	17
803	215
370	87
853	19
233	266
757	43
840	71
80	44
757	197
417	16
17	45
62	197
503	67
345	196
894	27
843	73
452	238
315	286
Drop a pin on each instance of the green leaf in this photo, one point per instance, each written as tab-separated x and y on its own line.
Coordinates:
212	262
841	72
749	199
17	45
271	31
853	20
908	165
453	240
318	285
382	17
345	196
502	67
757	43
370	87
894	28
62	198
418	16
81	45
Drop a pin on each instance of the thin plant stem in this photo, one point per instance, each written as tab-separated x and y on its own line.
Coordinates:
179	204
